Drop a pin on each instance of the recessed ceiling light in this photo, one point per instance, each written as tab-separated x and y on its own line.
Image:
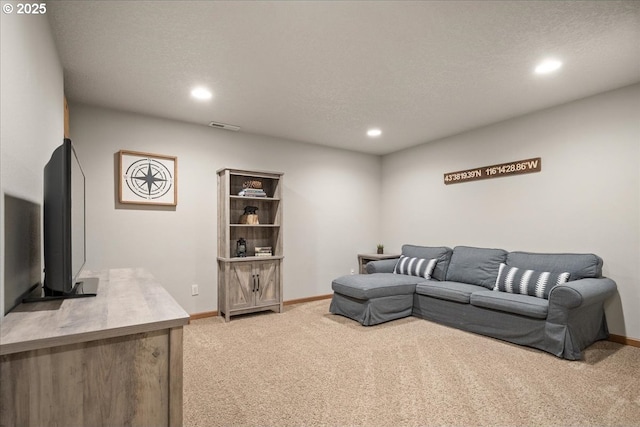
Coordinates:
201	93
548	66
374	132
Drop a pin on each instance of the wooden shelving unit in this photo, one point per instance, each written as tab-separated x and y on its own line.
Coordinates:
250	283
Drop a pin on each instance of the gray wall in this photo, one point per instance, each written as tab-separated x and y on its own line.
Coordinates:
31	120
331	203
586	199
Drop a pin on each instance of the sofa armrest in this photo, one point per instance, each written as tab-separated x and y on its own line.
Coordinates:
381	266
582	292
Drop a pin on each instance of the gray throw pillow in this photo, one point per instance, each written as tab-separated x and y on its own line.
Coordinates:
579	265
475	266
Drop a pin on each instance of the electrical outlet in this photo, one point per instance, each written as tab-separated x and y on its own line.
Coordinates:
194	290
353	271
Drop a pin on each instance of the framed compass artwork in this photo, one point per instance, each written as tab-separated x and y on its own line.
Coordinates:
148	179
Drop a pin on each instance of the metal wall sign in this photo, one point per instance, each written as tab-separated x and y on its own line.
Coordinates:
517	167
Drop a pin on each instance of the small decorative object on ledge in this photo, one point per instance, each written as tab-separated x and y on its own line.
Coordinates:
252	184
249	216
241	247
380	248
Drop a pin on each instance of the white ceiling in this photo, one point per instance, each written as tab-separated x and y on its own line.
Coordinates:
324	72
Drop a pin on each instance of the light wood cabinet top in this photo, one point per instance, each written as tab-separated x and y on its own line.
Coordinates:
129	301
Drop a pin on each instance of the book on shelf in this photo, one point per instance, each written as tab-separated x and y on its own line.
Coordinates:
263	251
252	192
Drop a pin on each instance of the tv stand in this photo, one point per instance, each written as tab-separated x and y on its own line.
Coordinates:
119	354
87	287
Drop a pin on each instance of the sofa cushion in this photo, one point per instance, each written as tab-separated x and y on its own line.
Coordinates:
524	305
579	266
441	253
475	266
452	291
367	286
415	266
528	282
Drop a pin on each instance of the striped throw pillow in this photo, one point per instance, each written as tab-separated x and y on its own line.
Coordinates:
415	266
528	282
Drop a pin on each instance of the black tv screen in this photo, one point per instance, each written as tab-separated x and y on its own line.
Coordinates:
64	222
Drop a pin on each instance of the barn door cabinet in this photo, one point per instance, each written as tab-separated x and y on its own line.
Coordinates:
251	282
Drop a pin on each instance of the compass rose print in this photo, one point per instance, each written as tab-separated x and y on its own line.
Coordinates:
148	179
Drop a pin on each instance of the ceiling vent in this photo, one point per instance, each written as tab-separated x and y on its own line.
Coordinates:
224	126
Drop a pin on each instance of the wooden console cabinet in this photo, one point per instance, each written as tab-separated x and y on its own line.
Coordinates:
113	359
251	282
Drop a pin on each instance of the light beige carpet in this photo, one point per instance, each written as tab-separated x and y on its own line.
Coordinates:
307	367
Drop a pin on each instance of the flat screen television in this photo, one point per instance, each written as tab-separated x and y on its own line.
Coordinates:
64	225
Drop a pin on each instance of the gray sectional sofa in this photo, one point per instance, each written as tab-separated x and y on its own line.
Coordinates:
552	302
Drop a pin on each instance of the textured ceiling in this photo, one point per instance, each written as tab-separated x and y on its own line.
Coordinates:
324	72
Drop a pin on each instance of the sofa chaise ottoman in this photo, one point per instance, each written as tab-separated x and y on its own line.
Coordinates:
552	302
